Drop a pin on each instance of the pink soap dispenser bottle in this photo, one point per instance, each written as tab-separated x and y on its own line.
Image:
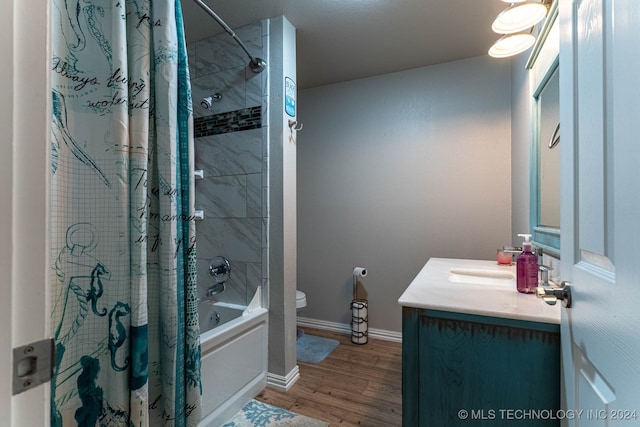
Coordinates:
526	268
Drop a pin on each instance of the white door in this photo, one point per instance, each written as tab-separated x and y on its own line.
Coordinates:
600	146
24	122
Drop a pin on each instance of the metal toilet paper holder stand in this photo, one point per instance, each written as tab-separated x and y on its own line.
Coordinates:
359	311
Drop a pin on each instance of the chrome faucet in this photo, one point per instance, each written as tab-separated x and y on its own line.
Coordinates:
511	249
544	274
539	253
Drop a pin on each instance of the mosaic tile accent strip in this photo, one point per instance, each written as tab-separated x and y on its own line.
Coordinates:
232	121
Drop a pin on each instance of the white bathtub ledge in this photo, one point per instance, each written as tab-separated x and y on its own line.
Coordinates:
255	302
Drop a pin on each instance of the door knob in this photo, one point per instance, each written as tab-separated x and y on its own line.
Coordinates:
552	295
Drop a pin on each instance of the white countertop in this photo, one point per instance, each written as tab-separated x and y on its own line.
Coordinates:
432	289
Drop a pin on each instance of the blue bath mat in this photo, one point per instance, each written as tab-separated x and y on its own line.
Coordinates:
259	414
314	349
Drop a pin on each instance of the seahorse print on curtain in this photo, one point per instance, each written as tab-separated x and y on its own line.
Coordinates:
124	297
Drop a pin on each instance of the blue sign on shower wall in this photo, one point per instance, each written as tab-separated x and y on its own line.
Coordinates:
290	96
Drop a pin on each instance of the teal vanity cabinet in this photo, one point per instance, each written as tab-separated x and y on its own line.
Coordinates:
462	369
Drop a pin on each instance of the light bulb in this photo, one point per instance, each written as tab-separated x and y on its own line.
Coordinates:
519	17
511	44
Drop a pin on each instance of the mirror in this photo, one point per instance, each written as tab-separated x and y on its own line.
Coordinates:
549	152
545	155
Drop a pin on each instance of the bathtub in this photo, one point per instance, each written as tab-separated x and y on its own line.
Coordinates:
233	342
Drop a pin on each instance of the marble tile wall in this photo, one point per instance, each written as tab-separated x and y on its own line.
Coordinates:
231	149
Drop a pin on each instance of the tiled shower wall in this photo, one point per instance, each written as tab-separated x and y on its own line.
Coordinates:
231	147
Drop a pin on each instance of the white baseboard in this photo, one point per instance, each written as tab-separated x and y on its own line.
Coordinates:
380	334
283	383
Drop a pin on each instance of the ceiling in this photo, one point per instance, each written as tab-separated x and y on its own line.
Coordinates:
340	40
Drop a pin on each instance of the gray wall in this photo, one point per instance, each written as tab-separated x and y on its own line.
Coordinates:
520	147
395	169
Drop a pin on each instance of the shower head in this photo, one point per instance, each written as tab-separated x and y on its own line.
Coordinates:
206	102
257	65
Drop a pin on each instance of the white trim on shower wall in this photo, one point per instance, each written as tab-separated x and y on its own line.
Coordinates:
380	334
283	383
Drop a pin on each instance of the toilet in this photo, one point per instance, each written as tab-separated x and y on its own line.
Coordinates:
301	300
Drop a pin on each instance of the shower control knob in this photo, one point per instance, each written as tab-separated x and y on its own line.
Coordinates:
220	269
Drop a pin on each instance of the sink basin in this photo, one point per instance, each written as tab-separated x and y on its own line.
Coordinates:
482	276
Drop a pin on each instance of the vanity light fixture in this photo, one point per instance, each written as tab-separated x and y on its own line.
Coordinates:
512	44
521	15
518	17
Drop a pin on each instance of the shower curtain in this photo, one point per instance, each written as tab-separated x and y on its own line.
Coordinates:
124	298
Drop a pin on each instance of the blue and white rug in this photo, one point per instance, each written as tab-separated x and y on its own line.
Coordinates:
312	349
259	414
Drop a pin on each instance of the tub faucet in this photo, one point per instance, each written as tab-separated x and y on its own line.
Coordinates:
212	291
215	290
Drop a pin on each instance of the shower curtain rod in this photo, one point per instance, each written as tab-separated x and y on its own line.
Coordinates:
256	64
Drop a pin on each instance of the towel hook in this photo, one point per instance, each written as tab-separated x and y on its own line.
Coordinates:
555	138
294	125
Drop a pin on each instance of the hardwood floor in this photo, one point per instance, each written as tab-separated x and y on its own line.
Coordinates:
356	385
